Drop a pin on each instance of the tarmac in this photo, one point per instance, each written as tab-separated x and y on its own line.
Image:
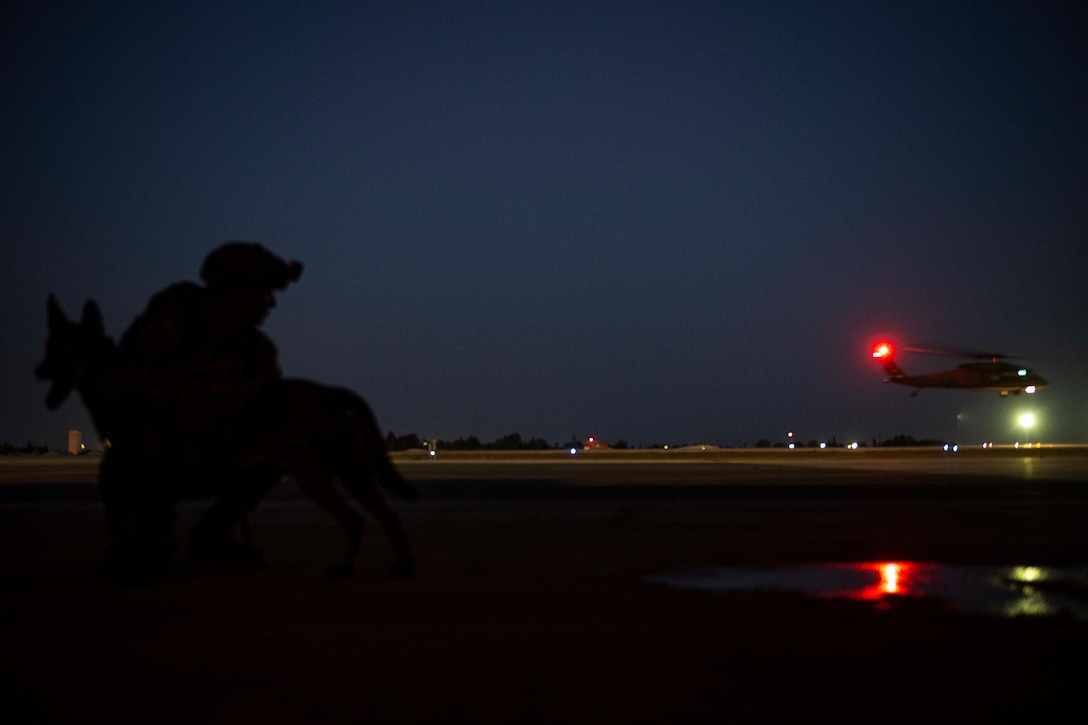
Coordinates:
603	587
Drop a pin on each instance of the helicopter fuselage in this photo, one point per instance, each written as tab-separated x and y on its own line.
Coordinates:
997	376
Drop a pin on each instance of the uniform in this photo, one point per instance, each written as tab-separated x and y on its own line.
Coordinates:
199	356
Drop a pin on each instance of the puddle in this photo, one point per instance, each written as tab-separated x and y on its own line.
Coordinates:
1004	591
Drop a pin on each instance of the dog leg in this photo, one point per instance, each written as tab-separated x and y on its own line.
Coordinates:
363	488
319	487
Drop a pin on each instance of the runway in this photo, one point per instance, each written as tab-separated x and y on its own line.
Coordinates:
544	594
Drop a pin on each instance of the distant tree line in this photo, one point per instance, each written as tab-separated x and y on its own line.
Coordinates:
906	440
514	442
901	440
511	442
764	443
6	449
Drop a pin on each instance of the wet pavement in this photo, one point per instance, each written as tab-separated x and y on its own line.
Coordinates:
1001	591
742	590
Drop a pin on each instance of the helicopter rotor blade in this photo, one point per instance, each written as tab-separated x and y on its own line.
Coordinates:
962	353
931	351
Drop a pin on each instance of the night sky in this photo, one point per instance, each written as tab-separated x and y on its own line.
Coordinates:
657	222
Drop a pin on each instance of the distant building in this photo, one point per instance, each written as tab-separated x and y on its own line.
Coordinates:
75	442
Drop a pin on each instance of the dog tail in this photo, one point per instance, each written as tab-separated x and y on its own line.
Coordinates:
384	470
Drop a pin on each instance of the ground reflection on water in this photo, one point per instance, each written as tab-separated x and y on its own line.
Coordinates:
1007	591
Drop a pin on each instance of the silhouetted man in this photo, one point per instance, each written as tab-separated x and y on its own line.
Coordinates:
198	357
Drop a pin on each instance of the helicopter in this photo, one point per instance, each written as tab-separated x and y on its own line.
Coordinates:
989	373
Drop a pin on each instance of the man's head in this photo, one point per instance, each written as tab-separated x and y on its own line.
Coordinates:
245	275
247	264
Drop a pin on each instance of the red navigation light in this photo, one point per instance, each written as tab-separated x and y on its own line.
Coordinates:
883	349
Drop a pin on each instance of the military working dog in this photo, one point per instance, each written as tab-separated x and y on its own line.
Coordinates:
316	434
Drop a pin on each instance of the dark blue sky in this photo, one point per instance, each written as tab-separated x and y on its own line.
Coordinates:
661	222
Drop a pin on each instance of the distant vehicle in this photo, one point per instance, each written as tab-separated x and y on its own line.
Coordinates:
989	373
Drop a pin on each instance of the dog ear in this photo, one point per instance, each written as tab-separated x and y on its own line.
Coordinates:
92	319
57	319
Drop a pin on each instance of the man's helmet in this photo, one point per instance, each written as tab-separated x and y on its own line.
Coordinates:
247	264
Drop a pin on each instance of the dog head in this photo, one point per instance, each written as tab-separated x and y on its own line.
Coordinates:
70	350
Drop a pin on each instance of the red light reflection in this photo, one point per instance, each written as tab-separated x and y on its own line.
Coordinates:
893	577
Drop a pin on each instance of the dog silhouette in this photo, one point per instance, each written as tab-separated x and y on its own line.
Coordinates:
318	435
